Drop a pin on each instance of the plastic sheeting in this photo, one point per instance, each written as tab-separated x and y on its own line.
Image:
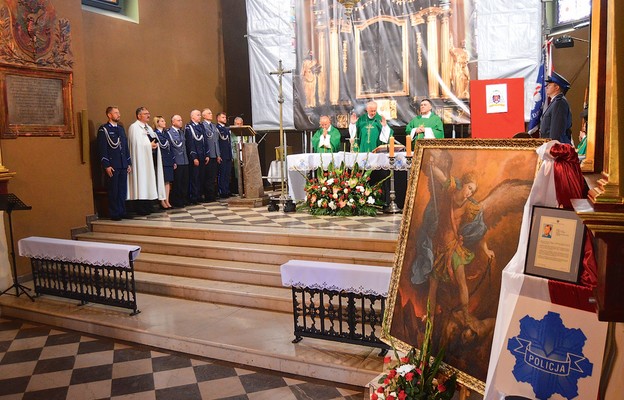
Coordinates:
270	36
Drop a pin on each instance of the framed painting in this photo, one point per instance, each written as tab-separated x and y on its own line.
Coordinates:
460	227
555	244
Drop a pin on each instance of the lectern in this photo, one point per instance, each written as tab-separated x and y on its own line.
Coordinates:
10	202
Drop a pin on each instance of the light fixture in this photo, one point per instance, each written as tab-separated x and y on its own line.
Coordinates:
348	5
566	41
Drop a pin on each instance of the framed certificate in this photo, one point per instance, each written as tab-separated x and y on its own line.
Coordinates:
555	244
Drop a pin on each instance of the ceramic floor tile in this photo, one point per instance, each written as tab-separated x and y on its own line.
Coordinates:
176	377
130	368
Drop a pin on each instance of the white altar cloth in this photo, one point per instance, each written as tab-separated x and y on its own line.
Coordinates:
92	253
300	164
361	279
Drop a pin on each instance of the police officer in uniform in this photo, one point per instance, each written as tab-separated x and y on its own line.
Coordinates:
195	146
115	159
556	121
225	148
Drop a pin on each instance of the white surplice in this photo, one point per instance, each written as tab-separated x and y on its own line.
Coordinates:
143	182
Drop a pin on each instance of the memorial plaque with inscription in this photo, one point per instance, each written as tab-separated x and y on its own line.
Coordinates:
38	103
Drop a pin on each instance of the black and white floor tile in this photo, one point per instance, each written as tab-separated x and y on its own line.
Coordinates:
40	362
220	213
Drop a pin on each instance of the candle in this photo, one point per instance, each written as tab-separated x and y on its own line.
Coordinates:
392	146
408	145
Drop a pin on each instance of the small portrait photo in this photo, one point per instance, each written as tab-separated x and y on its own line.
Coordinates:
547	231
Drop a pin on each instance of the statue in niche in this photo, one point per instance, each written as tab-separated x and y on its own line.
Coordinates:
461	74
310	69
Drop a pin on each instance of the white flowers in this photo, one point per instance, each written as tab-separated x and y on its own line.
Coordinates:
330	181
360	189
332	205
370	200
405	368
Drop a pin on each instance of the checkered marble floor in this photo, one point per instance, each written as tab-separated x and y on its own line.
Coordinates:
44	363
220	213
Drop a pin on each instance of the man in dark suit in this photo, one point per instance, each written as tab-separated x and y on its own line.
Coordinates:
196	150
211	141
115	159
225	148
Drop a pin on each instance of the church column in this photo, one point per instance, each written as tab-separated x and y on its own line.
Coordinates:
322	61
445	48
432	55
334	64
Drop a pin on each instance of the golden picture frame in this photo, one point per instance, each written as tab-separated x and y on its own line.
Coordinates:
40	102
460	228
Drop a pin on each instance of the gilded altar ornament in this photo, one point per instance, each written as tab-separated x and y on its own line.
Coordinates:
348	5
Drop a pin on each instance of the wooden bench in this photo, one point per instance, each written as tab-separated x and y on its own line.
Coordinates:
87	271
339	302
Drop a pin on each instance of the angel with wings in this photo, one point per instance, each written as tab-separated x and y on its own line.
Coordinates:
453	232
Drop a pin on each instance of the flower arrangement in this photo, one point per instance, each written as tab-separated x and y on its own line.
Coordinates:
416	376
342	191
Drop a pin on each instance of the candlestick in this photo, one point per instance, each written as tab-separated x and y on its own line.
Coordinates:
408	145
392	208
391	146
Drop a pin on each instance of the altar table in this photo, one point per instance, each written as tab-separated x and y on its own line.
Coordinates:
300	164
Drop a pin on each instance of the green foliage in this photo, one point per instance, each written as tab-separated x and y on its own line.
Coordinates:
416	376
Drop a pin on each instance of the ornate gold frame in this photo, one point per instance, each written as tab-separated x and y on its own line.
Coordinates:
408	232
9	130
402	23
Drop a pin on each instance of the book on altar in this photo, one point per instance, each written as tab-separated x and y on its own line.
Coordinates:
385	148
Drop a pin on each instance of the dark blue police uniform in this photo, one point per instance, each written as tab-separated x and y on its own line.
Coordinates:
196	149
225	168
113	148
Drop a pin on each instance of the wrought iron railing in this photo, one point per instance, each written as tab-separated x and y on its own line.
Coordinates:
338	315
110	285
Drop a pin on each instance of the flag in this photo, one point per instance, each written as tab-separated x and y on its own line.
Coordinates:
539	95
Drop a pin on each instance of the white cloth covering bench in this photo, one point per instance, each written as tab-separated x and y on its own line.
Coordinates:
335	301
86	271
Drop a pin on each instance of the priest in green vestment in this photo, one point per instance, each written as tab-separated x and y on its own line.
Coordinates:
369	130
327	138
426	125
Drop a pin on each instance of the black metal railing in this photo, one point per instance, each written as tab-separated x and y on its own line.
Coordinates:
339	316
103	284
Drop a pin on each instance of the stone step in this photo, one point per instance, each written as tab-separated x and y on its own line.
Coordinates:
234	294
206	268
349	240
236	251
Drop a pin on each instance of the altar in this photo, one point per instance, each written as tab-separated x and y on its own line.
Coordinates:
300	164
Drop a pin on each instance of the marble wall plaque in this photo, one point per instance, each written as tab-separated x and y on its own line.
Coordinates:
34	100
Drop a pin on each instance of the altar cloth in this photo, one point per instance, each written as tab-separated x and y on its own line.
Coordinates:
92	253
361	279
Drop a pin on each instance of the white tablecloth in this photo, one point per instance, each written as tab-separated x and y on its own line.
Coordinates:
363	279
93	253
300	164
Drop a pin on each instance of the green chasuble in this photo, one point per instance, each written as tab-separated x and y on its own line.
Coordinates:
368	131
334	140
582	147
434	122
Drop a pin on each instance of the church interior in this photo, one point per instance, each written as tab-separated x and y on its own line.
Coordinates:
212	316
